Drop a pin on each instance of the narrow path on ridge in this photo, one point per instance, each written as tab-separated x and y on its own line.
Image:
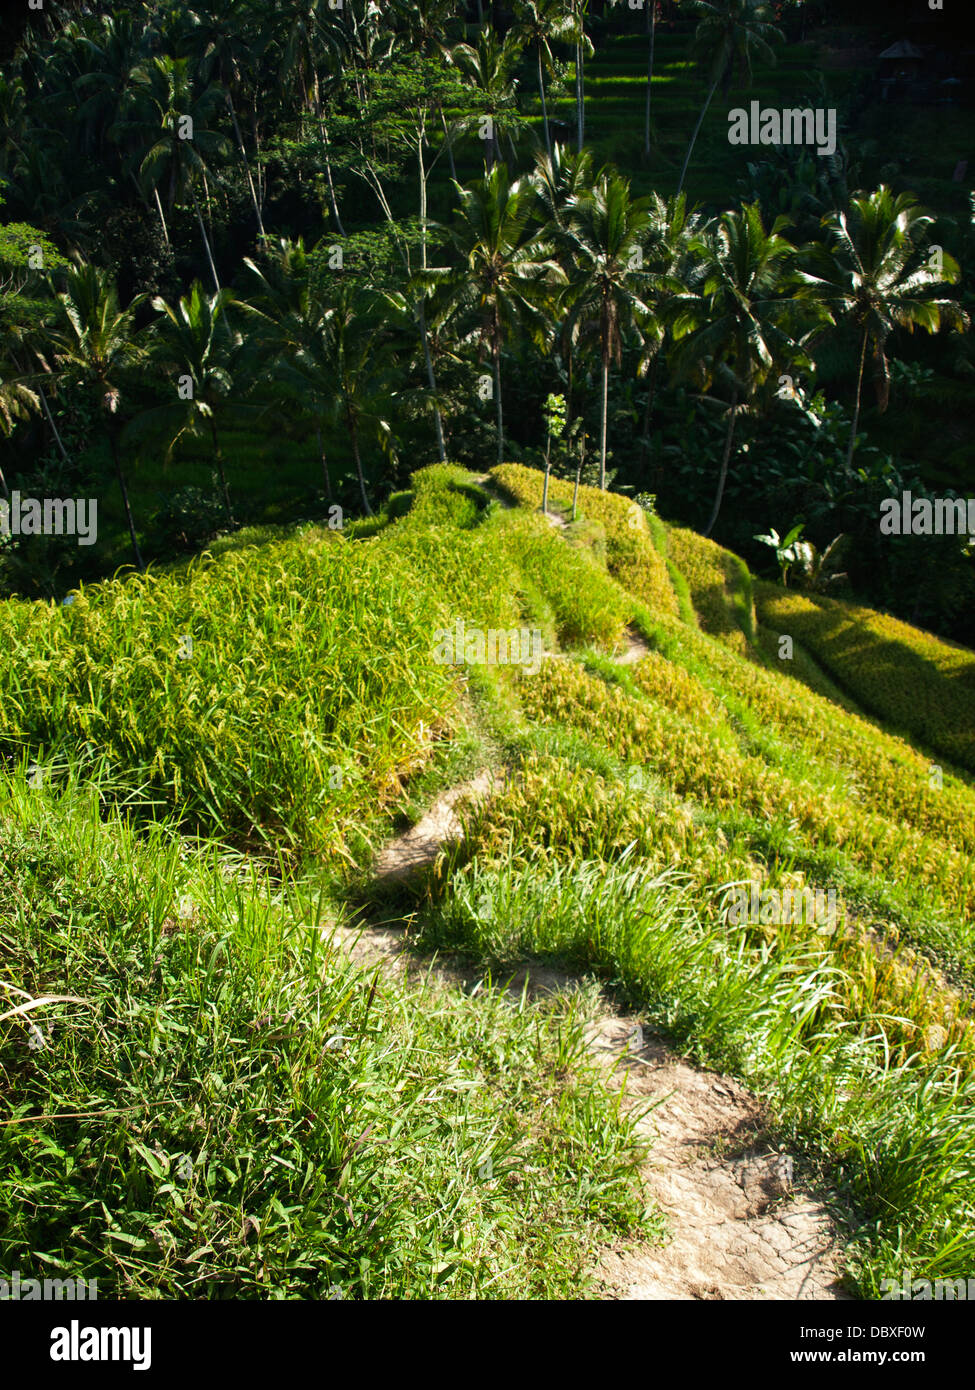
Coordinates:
739	1229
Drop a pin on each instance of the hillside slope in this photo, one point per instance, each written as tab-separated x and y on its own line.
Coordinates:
317	707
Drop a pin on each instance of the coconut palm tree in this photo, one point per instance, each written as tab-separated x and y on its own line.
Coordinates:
292	318
739	322
539	24
674	232
282	295
299	36
17	402
506	270
652	32
175	122
95	338
489	65
730	35
877	274
193	342
108	54
559	176
352	364
221	43
584	50
429	25
607	233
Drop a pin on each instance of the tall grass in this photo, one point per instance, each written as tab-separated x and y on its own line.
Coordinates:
258	1103
271	692
228	1107
900	1137
720	586
633	558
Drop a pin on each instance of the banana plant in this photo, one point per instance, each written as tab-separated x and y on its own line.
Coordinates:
814	565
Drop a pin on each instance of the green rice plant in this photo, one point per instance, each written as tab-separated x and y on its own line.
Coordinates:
790	725
588	605
633	558
560	809
444	494
720	586
281	690
694	762
919	683
274	691
805	670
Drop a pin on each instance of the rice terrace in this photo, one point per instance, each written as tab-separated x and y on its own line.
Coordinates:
487	661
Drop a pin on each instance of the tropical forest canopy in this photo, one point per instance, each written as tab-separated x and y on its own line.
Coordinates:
260	262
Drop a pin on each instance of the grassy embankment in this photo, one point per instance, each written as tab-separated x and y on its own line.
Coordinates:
635	795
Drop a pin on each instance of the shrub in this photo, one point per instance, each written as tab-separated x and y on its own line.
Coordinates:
188	518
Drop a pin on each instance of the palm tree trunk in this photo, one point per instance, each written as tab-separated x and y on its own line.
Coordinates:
207	201
697	129
582	459
3	486
354	435
602	426
432	381
732	413
218	457
206	239
449	144
548	450
333	201
428	360
648	412
652	17
161	215
541	88
257	159
580	97
496	354
50	421
113	445
247	167
856	408
321	455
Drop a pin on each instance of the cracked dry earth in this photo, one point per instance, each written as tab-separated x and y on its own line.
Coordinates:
738	1227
